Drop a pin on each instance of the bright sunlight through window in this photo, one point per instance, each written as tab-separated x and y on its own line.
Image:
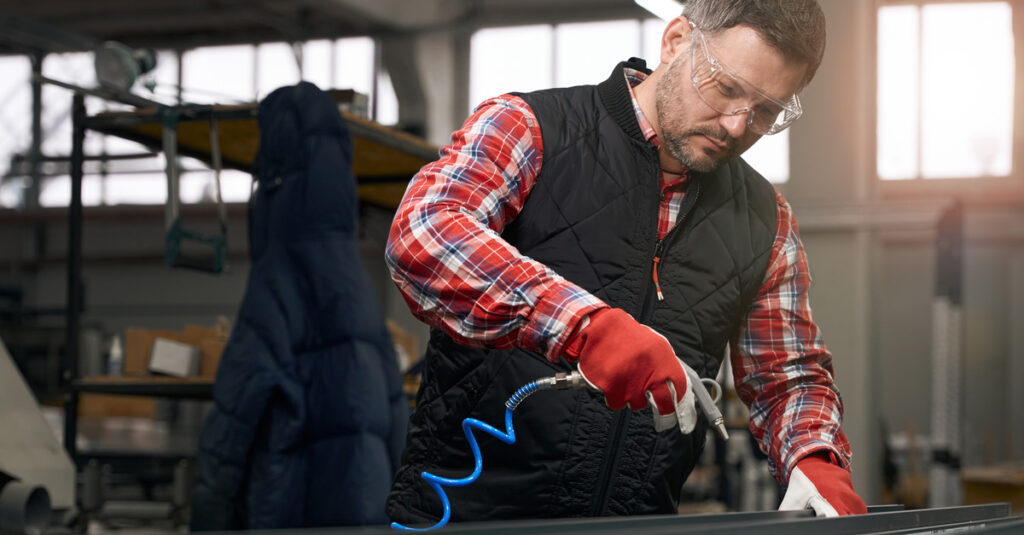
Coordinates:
945	91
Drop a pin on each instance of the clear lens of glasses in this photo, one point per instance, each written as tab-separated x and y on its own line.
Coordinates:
727	93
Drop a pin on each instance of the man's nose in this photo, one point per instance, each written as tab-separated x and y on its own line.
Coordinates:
735	125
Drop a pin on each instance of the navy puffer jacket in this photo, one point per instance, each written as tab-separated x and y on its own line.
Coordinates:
309	417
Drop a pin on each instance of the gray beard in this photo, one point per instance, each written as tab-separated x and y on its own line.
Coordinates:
676	144
676	147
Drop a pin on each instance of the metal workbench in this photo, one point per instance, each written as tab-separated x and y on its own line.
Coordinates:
983	519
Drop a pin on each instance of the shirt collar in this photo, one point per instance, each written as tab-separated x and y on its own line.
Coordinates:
633	78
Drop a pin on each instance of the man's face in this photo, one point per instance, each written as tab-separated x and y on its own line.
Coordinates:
696	135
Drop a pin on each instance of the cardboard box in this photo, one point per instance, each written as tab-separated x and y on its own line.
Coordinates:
210	352
174	358
138	347
138	344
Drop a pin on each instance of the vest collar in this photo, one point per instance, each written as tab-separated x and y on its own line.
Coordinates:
615	97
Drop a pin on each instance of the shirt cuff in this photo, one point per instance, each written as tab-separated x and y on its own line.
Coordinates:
554	317
797	454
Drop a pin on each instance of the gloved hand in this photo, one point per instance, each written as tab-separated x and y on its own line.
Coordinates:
633	365
817	484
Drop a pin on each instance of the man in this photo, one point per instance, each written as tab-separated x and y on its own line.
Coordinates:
614	228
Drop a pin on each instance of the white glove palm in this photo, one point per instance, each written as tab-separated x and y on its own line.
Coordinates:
802	494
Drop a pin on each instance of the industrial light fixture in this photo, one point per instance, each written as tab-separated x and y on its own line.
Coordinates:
663	9
118	66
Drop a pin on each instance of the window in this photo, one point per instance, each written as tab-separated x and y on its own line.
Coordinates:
386	107
945	90
510	59
317	58
15	123
527	58
353	64
219	74
770	156
580	58
277	65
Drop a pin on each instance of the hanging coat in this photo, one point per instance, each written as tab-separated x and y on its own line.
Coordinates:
309	417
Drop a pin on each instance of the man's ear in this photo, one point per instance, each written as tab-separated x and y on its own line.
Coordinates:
675	39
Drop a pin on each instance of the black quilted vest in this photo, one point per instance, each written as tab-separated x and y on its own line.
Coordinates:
592	218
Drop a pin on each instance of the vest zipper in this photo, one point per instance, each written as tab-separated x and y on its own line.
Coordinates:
659	248
654	275
612	461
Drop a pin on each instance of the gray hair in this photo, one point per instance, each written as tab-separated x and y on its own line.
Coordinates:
796	28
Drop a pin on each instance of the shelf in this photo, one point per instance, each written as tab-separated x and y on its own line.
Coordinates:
153	386
127	438
384	158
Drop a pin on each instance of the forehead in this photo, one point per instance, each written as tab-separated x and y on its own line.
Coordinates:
745	52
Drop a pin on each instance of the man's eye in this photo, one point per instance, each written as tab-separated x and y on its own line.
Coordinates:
768	111
727	90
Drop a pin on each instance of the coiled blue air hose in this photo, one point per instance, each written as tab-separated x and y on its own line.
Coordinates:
559	381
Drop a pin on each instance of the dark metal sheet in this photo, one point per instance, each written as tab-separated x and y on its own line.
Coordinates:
891	520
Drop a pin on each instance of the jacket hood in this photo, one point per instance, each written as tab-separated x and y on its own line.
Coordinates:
303	169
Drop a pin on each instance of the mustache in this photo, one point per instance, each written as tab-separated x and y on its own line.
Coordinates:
718	134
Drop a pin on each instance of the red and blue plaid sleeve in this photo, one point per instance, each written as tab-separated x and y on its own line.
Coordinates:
782	369
445	253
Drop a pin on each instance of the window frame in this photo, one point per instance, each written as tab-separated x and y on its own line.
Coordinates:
1010	187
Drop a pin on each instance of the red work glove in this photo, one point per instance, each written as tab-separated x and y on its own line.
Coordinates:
822	486
633	366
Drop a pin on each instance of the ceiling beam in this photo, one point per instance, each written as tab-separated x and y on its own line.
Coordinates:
29	35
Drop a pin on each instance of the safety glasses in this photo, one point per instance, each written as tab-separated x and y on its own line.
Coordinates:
726	92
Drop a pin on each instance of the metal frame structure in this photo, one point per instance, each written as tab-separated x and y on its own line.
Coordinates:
945	485
381	177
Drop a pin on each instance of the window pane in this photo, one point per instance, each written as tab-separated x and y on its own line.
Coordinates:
222	74
509	59
967	90
898	91
316	63
586	52
770	157
12	192
163	78
276	67
387	108
200	187
135	188
116	145
353	64
76	68
235	186
653	29
15	118
56	191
